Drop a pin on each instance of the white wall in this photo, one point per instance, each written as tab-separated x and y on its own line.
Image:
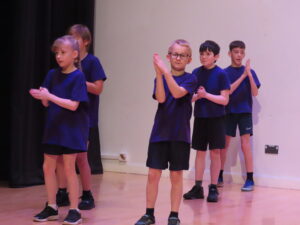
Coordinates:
127	33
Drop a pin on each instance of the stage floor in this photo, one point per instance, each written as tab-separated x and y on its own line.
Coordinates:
120	200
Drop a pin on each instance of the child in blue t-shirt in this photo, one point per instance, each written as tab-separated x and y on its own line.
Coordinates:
169	145
244	85
209	125
64	93
95	78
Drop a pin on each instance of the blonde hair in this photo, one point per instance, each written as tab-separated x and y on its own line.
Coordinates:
81	31
73	43
183	43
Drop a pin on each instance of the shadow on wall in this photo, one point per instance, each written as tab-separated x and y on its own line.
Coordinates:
234	153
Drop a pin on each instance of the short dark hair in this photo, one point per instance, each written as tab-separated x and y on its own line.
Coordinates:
237	44
210	46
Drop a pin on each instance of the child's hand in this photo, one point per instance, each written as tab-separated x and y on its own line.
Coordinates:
40	94
201	92
248	68
160	64
157	70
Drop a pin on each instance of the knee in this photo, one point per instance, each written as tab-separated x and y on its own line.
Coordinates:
176	176
215	154
48	168
153	176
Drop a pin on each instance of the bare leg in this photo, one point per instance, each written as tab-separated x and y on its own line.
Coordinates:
215	165
85	170
70	171
200	165
152	187
60	172
176	189
50	177
246	148
223	152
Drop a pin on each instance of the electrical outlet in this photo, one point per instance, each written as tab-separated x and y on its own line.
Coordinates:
271	149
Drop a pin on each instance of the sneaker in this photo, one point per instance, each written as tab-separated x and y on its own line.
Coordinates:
195	193
212	194
173	221
73	217
62	198
145	220
87	202
48	213
248	186
220	182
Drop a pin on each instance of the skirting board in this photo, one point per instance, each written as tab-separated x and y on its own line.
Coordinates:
260	180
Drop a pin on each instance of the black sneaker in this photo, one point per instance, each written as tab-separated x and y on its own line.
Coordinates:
73	217
62	198
212	194
220	182
173	221
145	220
87	202
195	193
48	213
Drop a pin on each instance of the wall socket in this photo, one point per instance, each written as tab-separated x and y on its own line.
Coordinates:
271	149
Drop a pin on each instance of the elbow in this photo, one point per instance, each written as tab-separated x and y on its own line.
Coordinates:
74	107
161	100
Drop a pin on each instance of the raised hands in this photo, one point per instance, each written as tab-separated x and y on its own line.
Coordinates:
40	94
159	66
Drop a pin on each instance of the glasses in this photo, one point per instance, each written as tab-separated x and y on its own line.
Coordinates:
176	55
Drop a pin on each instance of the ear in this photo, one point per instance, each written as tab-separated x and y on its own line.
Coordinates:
75	54
217	57
189	60
86	43
229	53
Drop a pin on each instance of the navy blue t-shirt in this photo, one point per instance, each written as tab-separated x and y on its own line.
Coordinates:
172	119
214	81
240	100
93	71
65	127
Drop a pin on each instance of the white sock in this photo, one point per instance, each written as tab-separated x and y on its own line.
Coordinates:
53	206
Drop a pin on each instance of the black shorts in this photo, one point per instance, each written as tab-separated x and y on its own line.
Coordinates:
59	150
243	120
174	155
208	132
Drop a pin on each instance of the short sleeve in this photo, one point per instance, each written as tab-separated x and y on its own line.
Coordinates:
79	89
255	79
97	71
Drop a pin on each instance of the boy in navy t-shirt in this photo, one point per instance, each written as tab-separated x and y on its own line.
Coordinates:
244	85
209	124
169	145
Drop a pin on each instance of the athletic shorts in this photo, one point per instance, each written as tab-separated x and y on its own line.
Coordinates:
174	155
243	120
208	132
59	150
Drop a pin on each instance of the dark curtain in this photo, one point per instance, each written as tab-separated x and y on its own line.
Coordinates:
32	27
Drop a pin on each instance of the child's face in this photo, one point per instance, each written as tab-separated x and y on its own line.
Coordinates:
237	55
82	43
208	59
65	55
179	57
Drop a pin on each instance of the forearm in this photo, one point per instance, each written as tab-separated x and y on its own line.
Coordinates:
160	94
175	89
237	83
254	88
95	88
218	99
64	103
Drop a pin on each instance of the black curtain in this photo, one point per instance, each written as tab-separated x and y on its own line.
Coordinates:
32	27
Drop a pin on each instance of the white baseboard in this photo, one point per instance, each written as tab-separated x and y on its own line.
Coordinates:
237	178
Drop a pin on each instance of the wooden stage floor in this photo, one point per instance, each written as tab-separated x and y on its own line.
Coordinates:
120	200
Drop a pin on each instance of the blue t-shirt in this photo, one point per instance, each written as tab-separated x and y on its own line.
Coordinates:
214	81
240	100
93	71
172	119
65	127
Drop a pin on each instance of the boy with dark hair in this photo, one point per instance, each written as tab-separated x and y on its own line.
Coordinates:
169	145
209	124
244	85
